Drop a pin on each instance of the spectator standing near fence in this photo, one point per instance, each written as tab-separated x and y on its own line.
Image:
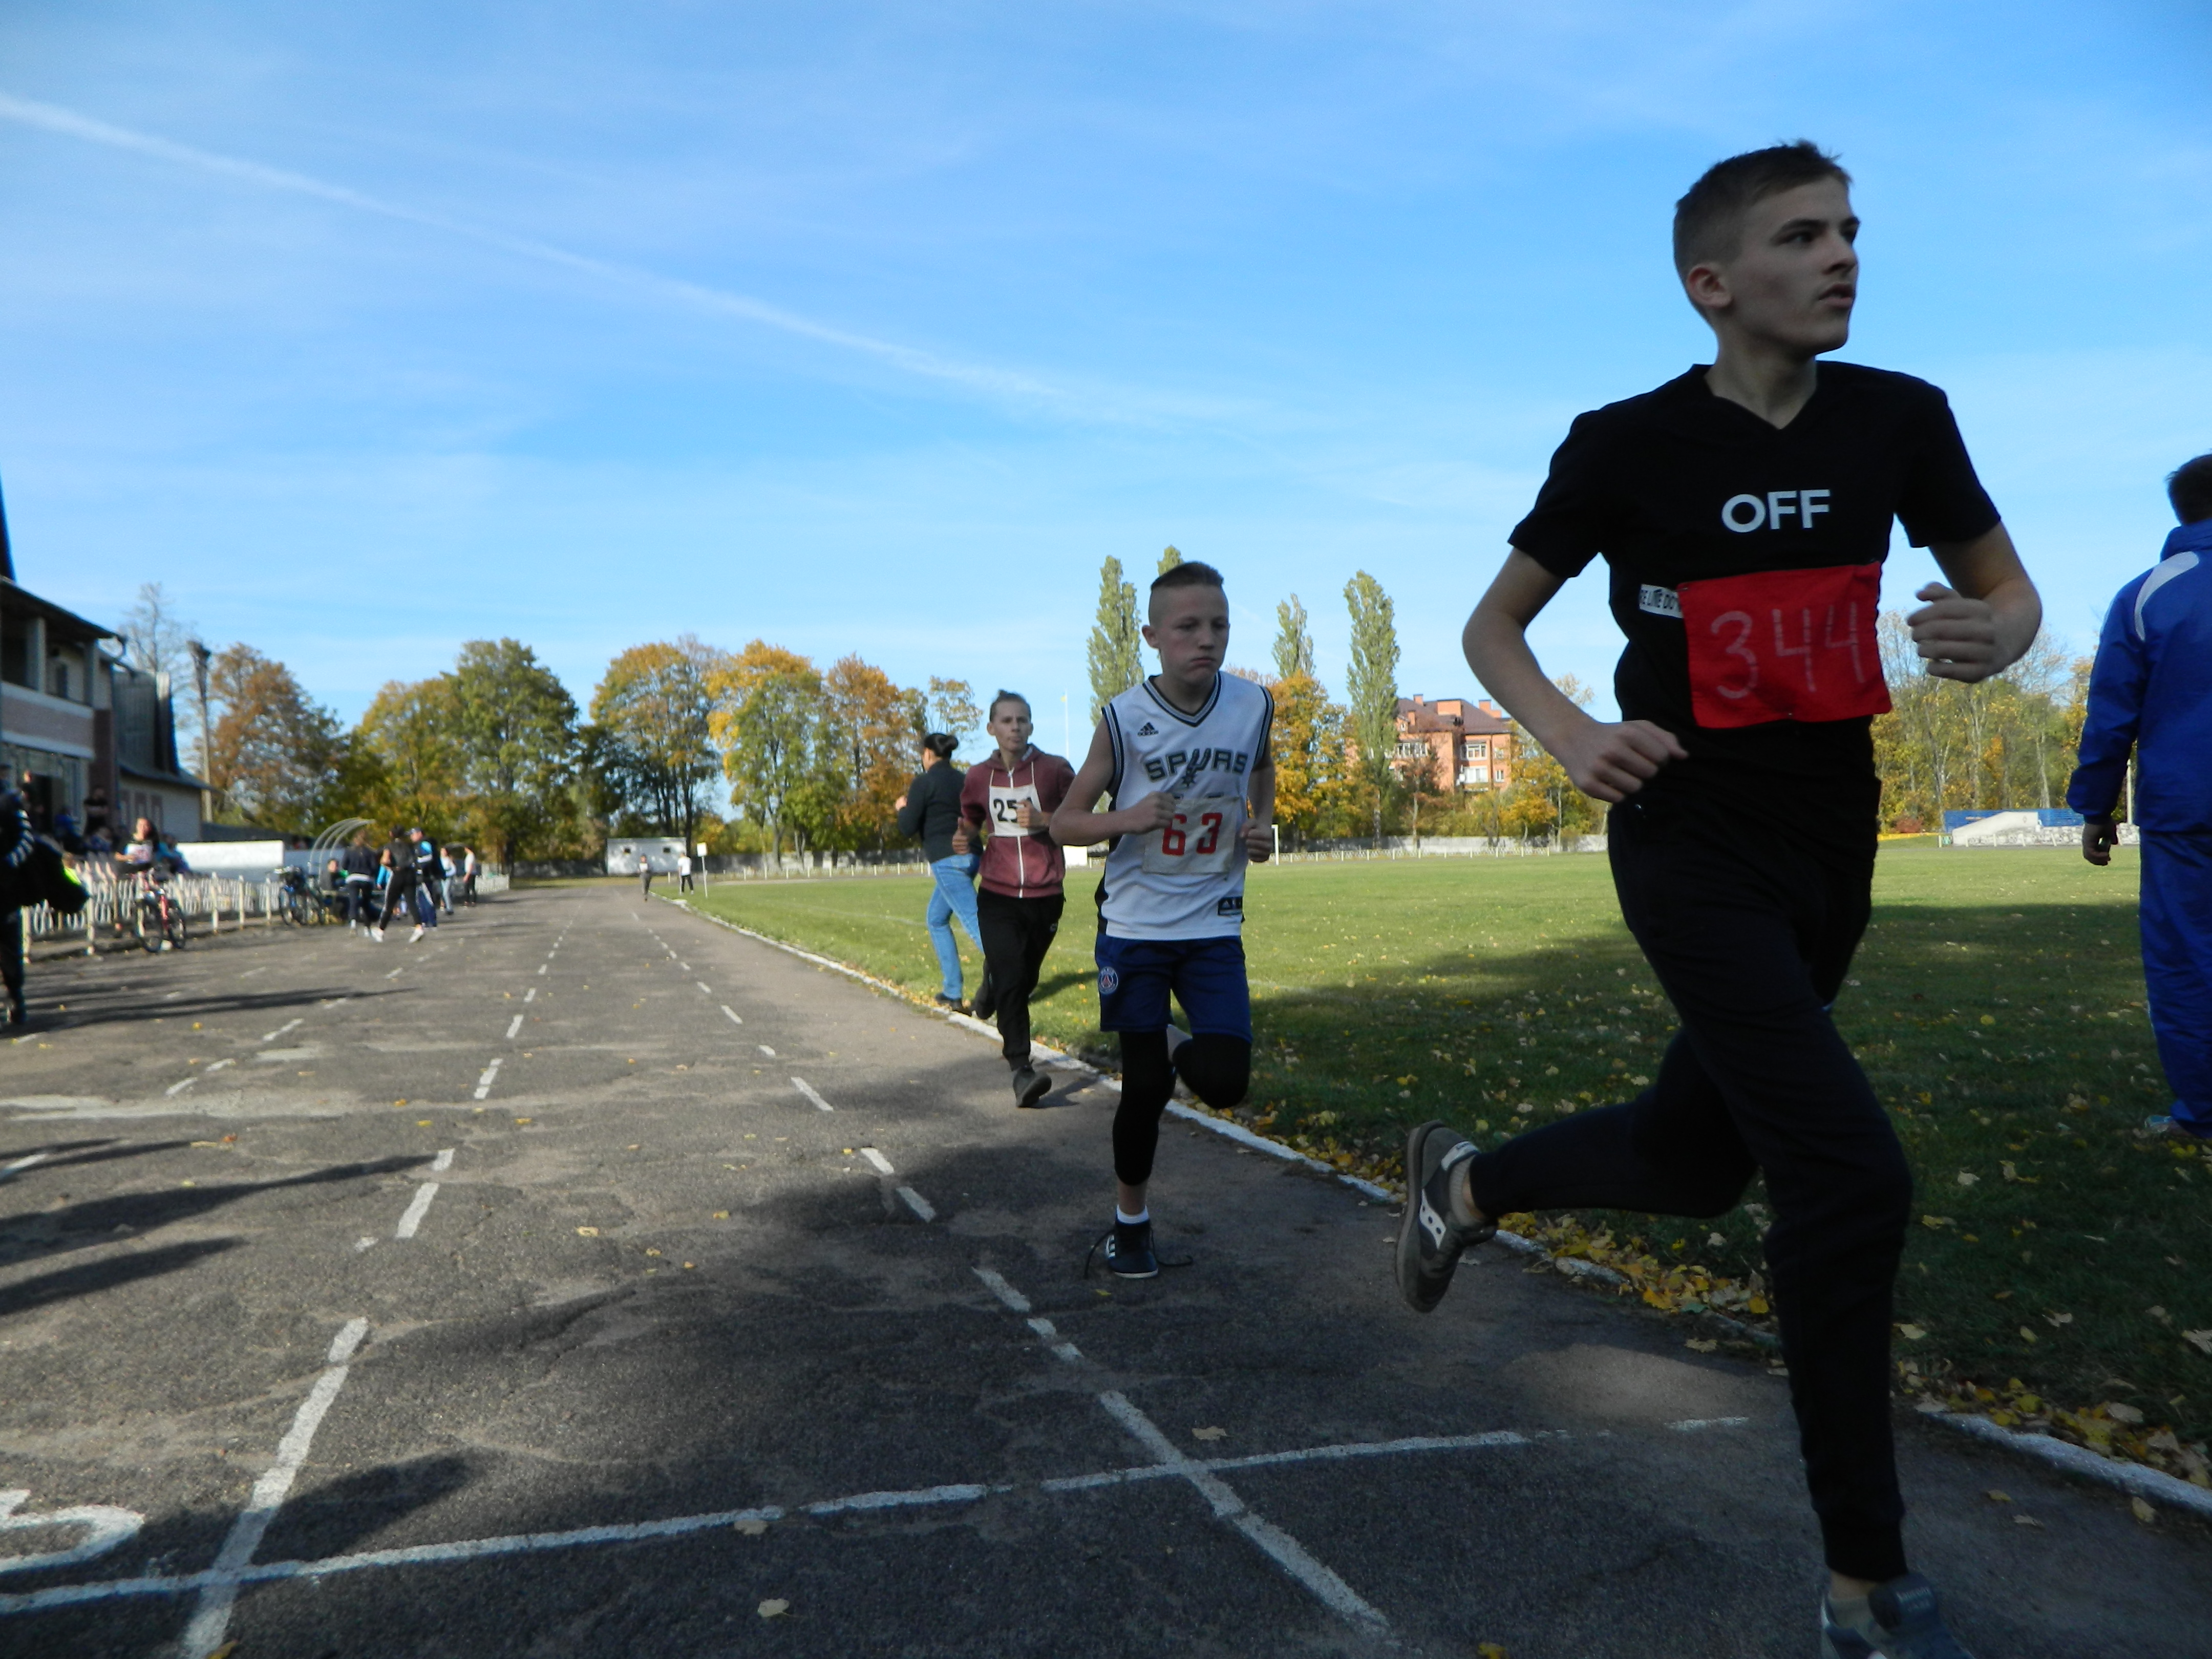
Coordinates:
1745	509
1011	798
469	876
2150	693
683	873
929	812
15	844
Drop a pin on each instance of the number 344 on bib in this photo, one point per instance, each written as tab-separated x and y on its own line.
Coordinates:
1785	645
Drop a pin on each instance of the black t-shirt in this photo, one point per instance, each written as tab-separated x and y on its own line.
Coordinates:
1678	485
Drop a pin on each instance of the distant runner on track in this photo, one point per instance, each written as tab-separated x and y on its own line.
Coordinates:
1012	795
1745	509
1186	757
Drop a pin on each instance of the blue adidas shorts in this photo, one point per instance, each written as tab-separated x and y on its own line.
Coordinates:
1205	974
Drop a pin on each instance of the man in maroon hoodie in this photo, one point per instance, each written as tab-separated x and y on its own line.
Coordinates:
1010	797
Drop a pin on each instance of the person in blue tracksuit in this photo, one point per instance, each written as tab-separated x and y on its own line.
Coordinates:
2151	691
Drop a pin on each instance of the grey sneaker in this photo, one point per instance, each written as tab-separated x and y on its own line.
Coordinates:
1030	1087
1430	1243
1901	1621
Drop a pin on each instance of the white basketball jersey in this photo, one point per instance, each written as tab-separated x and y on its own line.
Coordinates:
1185	880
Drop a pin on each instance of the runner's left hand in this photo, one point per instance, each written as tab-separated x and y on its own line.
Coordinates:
1957	636
1259	842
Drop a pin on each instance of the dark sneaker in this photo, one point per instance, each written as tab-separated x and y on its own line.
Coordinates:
1429	1243
1129	1251
987	998
950	1005
1901	1622
1029	1087
18	1013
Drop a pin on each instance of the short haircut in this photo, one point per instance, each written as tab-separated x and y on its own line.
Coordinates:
1709	220
1192	572
940	743
1006	695
2189	487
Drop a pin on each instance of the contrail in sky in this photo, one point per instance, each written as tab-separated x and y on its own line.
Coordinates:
52	118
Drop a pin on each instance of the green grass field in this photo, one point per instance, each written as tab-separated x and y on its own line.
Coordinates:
1997	1006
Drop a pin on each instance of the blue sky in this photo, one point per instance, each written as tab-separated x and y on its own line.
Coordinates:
369	329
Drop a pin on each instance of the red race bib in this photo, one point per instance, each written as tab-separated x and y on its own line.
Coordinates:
1785	645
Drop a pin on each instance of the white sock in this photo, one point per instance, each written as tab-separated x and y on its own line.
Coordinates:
1133	1220
1851	1613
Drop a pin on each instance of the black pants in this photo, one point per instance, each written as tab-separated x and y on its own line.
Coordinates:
1017	932
644	880
1750	937
1218	1068
359	899
11	952
399	896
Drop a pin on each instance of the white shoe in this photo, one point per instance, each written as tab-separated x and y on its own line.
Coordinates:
377	933
416	934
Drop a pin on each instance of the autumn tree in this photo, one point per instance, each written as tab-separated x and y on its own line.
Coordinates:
766	721
951	706
1115	663
272	751
871	739
409	764
1308	745
649	745
1371	688
514	730
1294	647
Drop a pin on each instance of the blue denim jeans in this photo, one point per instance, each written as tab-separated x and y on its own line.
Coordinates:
953	895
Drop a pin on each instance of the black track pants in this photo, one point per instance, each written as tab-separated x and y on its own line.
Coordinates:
398	896
1218	1068
1750	937
11	951
1017	934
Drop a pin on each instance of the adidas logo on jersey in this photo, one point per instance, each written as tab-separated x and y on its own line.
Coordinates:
1148	730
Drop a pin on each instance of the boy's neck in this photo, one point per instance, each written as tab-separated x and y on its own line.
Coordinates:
1189	698
1009	758
1771	381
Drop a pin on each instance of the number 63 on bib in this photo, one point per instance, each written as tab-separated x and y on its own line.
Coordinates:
1205	837
1785	645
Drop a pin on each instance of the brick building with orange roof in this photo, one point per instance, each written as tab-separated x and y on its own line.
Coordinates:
1454	744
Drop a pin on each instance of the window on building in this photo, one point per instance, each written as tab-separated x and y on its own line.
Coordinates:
1478	749
1475	774
1411	750
57	676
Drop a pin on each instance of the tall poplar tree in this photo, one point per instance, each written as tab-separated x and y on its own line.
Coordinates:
1294	652
1170	556
1114	665
1371	686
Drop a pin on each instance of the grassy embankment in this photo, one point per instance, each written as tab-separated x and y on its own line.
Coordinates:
2057	1268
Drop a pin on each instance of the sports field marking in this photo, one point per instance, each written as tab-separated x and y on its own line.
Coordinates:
807	1089
765	1049
289	1025
1005	1292
702	988
918	1204
530	995
543	966
732	1013
401	969
443	1162
512	1026
491	1076
179	1088
219	1591
412	1217
106	1527
883	1164
1692	1425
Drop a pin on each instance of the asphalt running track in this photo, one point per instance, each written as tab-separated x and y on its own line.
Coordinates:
691	1280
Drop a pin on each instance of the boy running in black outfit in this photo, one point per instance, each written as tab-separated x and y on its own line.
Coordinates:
1745	509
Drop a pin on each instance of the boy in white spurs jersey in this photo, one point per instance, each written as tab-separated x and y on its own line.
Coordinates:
1185	758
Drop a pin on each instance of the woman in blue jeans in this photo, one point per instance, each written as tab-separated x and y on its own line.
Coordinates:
929	811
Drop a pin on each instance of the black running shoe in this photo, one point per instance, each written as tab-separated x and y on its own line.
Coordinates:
1129	1251
1429	1243
1030	1086
950	1005
1902	1622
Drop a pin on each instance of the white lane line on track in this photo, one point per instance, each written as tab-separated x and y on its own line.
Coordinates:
918	1204
807	1089
443	1162
702	988
530	995
732	1013
1692	1425
883	1164
289	1025
219	1587
512	1026
765	1049
1005	1292
219	1064
412	1217
360	1244
179	1088
396	972
22	1163
478	1549
483	1084
543	966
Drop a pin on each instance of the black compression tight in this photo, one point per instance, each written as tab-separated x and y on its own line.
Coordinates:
1219	1070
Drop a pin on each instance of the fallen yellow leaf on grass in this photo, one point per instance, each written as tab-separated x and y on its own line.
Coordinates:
2142	1511
1996	1496
2200	1341
2027	1335
588	1232
1937	1221
774	1607
752	1527
1910	1333
1489	1650
224	1651
1209	1434
1697	1346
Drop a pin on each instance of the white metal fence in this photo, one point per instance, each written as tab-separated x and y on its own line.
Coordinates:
212	905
